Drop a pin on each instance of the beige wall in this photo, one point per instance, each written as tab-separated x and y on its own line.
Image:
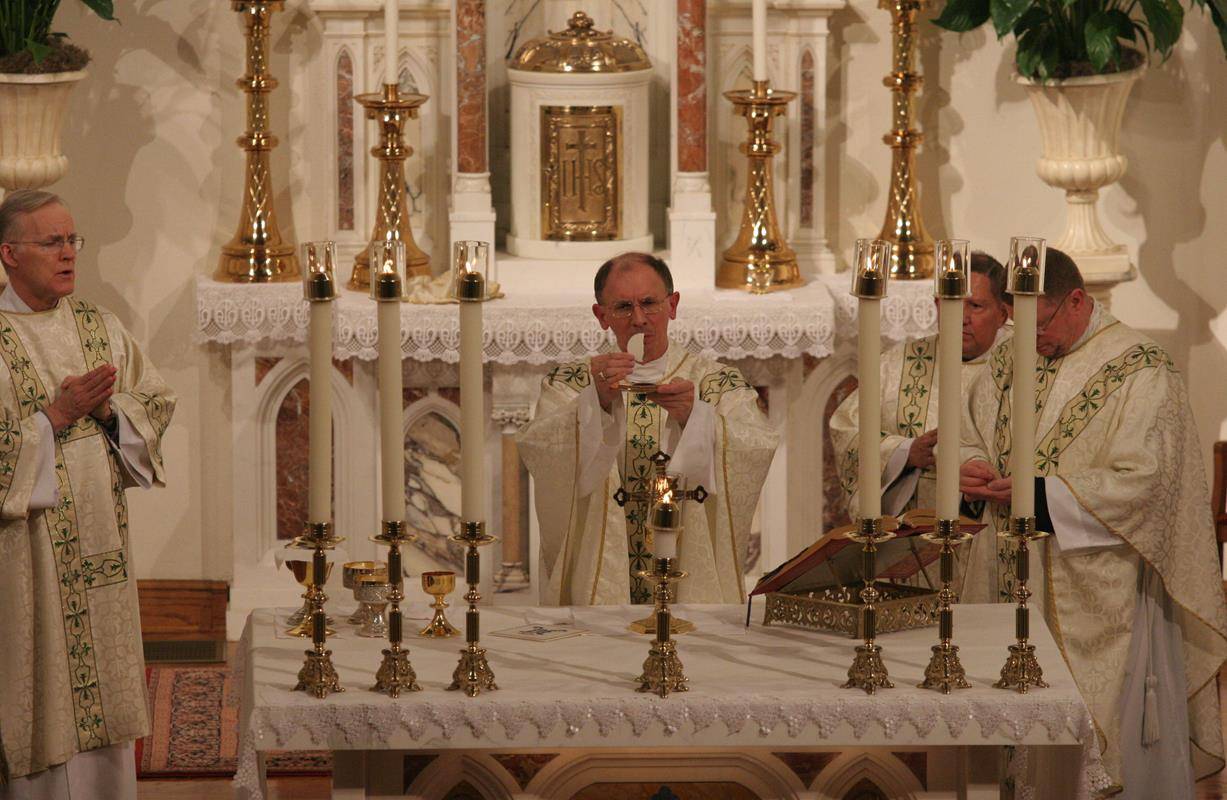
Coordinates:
155	177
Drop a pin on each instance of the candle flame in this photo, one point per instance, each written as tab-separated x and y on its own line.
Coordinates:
667	497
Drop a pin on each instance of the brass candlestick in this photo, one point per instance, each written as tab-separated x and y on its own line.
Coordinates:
256	253
911	256
945	672
662	669
392	109
473	673
1022	670
395	673
438	585
672	486
317	676
868	672
760	259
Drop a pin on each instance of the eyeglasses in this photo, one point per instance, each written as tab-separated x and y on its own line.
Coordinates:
650	306
76	241
1043	326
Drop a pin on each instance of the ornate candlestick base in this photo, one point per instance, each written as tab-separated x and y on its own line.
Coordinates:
760	259
318	677
473	673
392	109
1022	670
945	672
868	671
395	673
662	669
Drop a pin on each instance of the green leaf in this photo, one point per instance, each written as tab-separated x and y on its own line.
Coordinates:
1164	25
1219	15
1102	46
1006	14
38	50
103	8
961	16
1035	17
1030	48
1050	57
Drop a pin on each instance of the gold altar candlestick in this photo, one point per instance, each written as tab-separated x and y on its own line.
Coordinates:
911	247
256	253
470	260
664	544
395	673
868	671
945	672
662	669
391	108
760	259
318	677
1025	281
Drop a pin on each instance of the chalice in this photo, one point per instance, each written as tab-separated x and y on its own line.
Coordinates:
303	574
438	585
355	571
372	591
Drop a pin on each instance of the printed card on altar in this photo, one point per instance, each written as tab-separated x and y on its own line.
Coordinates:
542	632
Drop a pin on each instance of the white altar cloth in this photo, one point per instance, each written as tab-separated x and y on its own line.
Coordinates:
547	328
755	687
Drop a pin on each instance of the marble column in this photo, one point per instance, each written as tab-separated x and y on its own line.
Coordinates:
512	576
472	211
692	222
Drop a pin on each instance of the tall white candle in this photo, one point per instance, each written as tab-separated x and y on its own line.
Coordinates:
391	427
391	19
759	27
664	544
1022	405
319	343
869	392
472	417
949	363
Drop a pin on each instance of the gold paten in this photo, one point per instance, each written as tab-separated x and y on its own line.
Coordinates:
472	673
760	259
439	585
257	253
662	669
391	108
580	48
581	183
911	255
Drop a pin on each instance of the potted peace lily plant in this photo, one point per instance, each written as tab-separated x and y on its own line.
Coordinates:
1078	60
38	69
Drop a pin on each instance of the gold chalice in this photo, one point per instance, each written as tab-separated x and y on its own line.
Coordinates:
438	585
302	574
372	591
354	571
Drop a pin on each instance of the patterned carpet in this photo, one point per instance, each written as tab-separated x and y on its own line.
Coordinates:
195	728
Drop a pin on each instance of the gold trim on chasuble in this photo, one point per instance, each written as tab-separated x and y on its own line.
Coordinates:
77	573
1075	416
915	386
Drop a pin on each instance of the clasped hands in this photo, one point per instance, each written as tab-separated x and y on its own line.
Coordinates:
81	395
609	370
979	481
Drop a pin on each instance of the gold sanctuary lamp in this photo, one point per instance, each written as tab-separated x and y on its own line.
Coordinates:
391	108
662	669
759	260
911	247
470	260
256	253
439	585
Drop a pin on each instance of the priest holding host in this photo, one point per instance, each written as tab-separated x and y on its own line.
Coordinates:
83	413
596	429
1129	583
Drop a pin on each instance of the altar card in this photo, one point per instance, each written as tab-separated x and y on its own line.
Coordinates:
542	632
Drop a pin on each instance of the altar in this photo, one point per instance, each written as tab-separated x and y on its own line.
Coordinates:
764	713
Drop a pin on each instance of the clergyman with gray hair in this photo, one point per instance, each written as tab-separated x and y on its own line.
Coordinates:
82	416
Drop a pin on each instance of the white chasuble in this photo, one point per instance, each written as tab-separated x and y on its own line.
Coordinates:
590	546
72	675
1122	470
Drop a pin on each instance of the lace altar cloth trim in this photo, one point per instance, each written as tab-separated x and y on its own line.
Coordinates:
360	720
727	325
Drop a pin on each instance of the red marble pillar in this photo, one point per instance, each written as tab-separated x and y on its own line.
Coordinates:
691	86
471	86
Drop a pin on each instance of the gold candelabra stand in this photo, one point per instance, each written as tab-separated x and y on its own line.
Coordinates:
318	677
257	253
760	260
868	671
662	669
911	256
391	108
473	673
395	673
1022	670
945	672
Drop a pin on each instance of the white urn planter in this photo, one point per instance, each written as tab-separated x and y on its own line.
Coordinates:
1079	121
32	111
